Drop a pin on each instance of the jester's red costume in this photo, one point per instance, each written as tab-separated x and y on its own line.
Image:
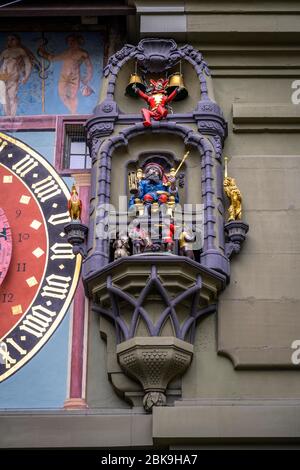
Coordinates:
157	100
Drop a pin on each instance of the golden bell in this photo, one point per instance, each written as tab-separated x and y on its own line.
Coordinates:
135	79
174	81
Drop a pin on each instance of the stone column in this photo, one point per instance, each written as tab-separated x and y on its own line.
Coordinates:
78	348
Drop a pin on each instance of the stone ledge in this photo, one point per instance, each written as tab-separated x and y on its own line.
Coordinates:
235	421
36	429
190	421
260	358
265	117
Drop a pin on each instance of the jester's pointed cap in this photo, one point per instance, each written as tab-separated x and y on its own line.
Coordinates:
159	86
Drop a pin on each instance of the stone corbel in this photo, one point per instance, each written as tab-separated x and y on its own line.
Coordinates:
154	362
235	232
76	235
155	324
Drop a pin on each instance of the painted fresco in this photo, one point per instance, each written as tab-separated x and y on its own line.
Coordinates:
50	73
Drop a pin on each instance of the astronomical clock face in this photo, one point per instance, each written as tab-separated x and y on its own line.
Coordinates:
38	270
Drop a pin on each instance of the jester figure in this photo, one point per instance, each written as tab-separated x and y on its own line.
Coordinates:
157	100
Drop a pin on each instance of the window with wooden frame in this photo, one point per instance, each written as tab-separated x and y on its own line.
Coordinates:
72	152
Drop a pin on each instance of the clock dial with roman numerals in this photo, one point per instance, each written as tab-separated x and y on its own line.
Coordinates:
39	271
5	245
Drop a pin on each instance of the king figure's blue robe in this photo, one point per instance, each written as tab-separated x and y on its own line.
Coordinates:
145	187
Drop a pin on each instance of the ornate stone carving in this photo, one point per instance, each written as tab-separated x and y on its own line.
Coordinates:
95	136
155	56
170	305
119	56
235	232
154	399
217	143
155	318
212	126
154	362
76	236
107	107
155	300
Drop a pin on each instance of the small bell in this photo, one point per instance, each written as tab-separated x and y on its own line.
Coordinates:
174	81
135	79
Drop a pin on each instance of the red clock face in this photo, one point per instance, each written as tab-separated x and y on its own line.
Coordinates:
5	245
39	271
29	249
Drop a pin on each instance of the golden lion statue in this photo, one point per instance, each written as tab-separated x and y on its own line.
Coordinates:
235	197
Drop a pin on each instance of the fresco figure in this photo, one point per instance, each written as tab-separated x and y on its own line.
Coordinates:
16	63
70	76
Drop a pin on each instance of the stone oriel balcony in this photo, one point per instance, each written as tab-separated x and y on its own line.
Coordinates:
155	302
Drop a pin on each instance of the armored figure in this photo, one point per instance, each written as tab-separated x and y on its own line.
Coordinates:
157	99
74	205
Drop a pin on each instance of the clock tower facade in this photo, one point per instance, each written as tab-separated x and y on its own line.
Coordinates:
149	229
